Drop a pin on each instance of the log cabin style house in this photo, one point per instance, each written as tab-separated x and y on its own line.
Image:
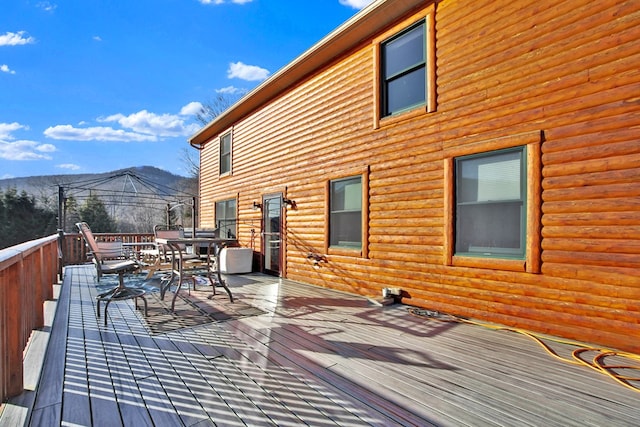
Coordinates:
483	157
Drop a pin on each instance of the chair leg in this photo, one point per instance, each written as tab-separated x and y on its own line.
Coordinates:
144	300
105	311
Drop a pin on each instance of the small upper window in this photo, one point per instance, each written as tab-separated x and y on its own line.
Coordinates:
225	154
404	79
490	217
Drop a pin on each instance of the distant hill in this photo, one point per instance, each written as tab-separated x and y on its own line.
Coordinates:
47	185
137	197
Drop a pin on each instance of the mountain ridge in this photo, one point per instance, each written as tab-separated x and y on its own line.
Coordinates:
37	185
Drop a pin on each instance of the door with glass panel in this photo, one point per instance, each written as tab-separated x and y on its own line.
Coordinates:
271	234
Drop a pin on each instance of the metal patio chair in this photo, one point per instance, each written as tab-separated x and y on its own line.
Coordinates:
108	259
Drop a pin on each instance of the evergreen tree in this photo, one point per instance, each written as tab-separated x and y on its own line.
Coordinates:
94	213
21	220
72	216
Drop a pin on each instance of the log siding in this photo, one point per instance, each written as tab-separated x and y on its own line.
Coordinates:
561	78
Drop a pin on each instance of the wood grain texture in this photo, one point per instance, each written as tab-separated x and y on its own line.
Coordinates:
562	76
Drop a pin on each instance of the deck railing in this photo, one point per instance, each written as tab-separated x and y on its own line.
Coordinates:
75	251
27	274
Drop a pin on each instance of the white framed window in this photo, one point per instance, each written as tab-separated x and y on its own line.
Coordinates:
226	219
345	213
225	154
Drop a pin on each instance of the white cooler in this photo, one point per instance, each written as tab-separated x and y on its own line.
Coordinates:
236	260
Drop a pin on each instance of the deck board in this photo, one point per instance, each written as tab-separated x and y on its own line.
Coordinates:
317	357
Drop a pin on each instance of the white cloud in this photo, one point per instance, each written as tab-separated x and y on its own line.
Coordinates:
15	39
10	149
97	38
356	4
136	127
231	90
47	148
69	166
25	150
246	72
7	128
46	6
158	125
95	133
5	69
191	109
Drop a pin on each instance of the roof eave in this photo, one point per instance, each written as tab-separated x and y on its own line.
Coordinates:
361	26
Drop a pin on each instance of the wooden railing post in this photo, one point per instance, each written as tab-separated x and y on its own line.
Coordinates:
11	370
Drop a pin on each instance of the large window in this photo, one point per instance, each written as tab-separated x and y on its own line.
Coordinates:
345	210
403	65
226	218
225	154
490	200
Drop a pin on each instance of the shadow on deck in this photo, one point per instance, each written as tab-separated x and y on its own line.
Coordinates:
304	356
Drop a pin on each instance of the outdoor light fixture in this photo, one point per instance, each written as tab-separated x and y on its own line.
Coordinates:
257	206
289	202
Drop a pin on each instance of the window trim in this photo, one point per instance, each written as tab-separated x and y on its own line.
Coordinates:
532	142
428	16
230	154
363	251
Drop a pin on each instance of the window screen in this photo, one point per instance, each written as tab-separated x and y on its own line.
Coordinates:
345	222
404	71
490	204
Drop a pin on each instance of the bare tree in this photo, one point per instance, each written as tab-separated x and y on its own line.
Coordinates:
191	162
209	111
216	106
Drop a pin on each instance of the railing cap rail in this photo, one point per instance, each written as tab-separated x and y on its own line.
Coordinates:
13	254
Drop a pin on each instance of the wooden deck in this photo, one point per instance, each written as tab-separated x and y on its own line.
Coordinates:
317	357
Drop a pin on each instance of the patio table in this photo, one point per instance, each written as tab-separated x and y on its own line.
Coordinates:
179	271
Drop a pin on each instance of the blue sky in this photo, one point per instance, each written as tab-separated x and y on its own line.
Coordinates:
97	85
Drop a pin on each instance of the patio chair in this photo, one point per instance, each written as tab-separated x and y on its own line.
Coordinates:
162	253
108	259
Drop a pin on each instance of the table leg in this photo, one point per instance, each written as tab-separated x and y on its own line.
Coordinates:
219	280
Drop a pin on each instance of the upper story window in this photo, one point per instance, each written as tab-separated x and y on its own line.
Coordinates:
225	154
403	64
405	69
226	218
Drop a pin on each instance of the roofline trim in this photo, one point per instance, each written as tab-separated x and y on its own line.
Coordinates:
362	25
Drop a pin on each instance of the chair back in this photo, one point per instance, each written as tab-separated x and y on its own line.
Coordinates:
87	234
102	251
164	232
110	250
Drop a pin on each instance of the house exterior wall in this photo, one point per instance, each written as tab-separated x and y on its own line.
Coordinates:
561	78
